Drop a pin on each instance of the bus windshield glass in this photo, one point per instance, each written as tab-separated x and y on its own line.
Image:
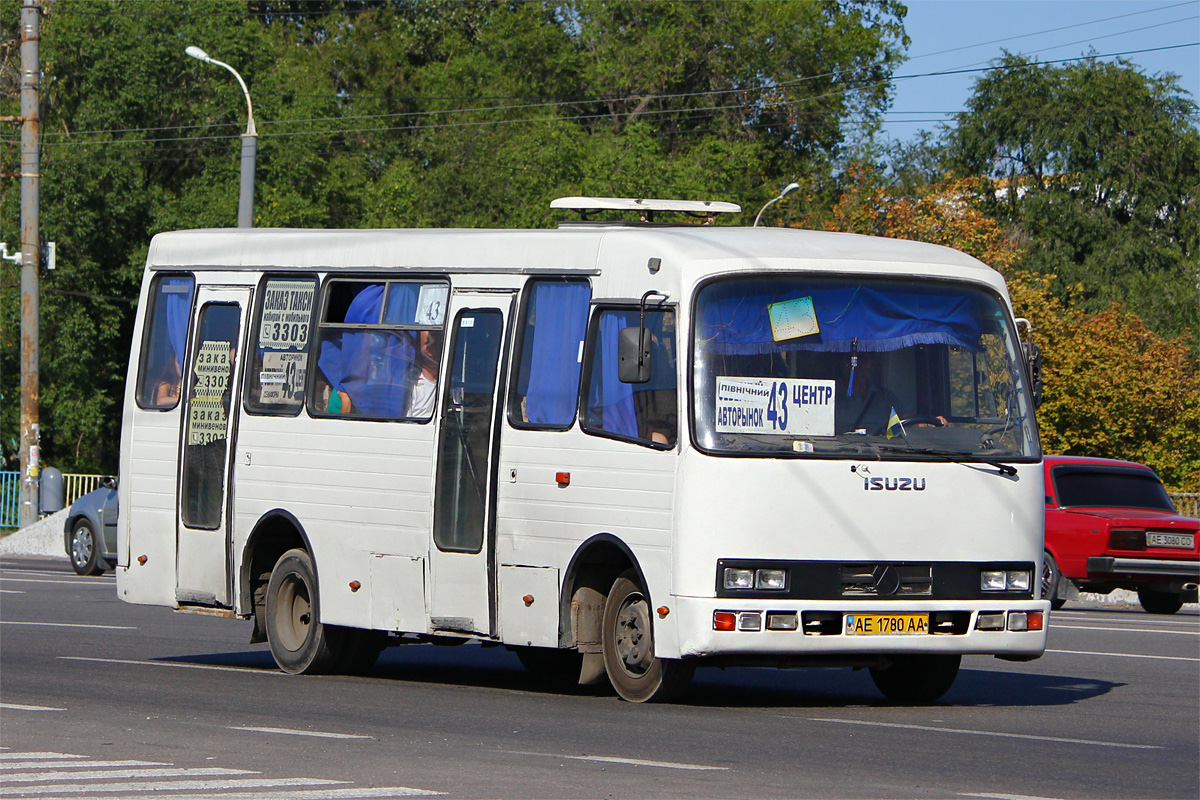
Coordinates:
851	366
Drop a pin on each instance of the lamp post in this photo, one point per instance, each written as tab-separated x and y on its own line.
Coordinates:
791	187
249	143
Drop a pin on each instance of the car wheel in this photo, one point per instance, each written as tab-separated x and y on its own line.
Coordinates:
299	642
916	679
85	551
1156	602
627	638
1051	578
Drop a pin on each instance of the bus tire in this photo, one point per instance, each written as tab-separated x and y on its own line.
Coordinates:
300	644
916	679
627	638
360	649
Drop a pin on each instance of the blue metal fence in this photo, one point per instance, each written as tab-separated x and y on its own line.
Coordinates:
10	499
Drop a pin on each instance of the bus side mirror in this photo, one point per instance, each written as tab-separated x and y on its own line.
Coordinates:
633	355
1033	356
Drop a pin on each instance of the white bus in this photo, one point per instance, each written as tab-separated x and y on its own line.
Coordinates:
622	449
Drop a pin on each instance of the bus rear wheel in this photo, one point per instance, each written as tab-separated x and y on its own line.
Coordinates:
916	679
628	644
300	644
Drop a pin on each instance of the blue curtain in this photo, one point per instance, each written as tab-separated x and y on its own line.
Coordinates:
179	311
373	367
560	322
734	318
610	402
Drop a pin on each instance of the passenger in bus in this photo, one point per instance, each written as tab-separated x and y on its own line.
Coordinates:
166	389
423	396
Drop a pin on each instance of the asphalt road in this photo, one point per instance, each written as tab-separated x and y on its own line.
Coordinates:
99	699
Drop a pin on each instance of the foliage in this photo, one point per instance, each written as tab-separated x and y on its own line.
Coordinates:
1097	168
393	113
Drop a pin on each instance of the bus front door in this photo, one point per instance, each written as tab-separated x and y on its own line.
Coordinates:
462	560
202	554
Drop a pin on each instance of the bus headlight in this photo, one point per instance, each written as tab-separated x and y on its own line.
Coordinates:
770	579
1004	580
739	578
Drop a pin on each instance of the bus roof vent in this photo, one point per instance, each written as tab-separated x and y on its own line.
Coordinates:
646	208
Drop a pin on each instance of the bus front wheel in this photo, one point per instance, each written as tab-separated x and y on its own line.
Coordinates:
916	679
628	643
299	642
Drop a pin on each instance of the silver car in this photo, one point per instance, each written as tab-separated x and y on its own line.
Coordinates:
91	530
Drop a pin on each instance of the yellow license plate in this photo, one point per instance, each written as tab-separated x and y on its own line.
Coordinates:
886	624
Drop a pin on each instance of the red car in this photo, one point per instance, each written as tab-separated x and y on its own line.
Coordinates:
1111	525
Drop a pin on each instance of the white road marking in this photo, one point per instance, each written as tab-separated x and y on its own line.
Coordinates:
1122	655
19	707
1125	630
157	786
11	591
80	764
71	625
32	756
987	733
996	796
637	762
109	774
293	732
311	794
244	670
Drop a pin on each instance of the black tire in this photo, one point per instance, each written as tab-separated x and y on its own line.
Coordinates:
627	638
557	669
916	679
1156	602
84	550
1051	580
300	644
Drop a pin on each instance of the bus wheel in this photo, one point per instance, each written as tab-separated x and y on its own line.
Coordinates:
628	643
299	642
916	679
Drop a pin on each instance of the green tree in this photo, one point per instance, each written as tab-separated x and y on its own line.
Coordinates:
1097	168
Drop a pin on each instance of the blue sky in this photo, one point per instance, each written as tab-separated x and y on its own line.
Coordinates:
966	34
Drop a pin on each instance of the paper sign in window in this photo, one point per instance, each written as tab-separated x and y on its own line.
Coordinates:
780	406
792	319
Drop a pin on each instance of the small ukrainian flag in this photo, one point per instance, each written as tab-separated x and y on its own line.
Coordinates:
894	427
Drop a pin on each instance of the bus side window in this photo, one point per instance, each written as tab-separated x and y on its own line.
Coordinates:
646	412
553	325
166	338
278	347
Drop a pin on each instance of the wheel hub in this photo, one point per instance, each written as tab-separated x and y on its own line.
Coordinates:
632	638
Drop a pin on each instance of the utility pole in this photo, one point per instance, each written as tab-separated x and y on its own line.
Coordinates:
30	257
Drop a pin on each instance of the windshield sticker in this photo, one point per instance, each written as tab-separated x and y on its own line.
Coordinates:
782	406
793	319
287	308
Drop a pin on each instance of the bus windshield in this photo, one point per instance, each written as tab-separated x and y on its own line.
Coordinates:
851	366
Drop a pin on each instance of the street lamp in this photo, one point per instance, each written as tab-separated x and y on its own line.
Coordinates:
791	187
249	143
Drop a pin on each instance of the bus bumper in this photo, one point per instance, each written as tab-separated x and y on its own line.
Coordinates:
729	629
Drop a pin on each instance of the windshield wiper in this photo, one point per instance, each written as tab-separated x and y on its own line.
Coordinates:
951	455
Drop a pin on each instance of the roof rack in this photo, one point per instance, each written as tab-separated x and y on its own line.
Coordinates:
646	207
